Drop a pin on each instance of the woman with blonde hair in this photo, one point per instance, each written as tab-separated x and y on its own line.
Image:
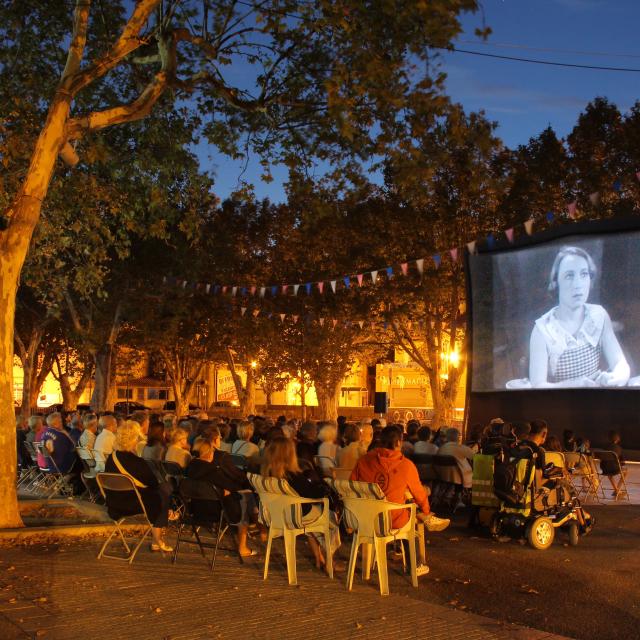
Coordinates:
178	450
155	495
280	461
243	445
328	449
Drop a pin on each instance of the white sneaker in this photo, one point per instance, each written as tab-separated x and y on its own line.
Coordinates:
422	570
433	523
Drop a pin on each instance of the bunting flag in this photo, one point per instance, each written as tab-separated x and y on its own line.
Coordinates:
263	290
471	247
282	317
253	290
284	289
617	186
389	272
404	268
333	286
164	279
295	319
295	289
335	322
308	288
321	321
509	234
243	292
454	254
224	289
528	226
572	210
361	324
234	290
638	175
208	288
347	282
243	310
437	260
256	313
594	198
320	287
420	265
360	278
374	276
550	216
184	284
491	241
274	290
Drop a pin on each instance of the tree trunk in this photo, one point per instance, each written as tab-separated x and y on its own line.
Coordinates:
328	400
102	397
248	398
28	375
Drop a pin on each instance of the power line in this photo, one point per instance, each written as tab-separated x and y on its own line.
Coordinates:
532	61
523	47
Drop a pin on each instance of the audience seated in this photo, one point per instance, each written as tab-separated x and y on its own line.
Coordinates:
178	450
105	440
155	448
463	454
155	495
328	448
307	445
59	444
424	444
243	445
348	456
89	431
609	469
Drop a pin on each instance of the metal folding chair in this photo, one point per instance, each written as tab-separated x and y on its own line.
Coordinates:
611	458
119	483
203	509
54	481
581	466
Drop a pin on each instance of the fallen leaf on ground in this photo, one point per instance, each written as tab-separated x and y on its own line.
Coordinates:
41	632
359	625
12	600
157	610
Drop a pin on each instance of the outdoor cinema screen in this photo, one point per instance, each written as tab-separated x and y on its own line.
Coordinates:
562	314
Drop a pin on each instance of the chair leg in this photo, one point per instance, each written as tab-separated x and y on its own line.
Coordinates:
290	553
328	552
367	560
381	557
412	560
267	553
137	547
219	535
174	557
353	559
197	535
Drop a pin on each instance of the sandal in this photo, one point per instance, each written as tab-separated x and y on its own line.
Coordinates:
163	546
252	552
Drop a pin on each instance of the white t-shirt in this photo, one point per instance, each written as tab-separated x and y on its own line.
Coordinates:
103	448
178	455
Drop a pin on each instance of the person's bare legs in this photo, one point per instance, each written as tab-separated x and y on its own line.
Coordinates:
317	552
243	548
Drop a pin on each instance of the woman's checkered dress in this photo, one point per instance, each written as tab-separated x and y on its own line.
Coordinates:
583	361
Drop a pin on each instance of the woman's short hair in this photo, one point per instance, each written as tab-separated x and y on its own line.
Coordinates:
561	255
127	436
178	434
327	433
245	430
351	433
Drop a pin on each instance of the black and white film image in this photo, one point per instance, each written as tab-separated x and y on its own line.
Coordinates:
564	314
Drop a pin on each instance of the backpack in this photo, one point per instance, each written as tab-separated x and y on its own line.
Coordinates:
506	484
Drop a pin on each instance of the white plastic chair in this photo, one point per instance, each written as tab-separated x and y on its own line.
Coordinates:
281	511
370	515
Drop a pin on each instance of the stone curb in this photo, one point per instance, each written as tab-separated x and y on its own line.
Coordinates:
61	533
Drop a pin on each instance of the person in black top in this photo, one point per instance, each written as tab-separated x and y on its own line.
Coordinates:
155	495
280	461
308	444
216	467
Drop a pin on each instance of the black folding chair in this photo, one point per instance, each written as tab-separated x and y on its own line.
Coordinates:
88	474
203	509
118	483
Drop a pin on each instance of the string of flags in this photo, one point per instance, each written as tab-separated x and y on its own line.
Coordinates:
357	280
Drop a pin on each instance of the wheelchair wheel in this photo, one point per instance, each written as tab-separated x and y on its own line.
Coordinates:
540	533
574	534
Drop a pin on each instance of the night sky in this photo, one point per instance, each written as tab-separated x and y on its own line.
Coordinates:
522	98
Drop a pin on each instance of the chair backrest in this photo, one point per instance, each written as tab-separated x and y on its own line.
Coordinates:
280	505
555	457
324	462
359	490
239	460
447	469
117	482
31	449
86	457
172	469
609	458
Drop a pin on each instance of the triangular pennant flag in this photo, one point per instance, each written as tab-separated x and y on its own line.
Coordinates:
528	226
572	209
491	241
320	286
216	289
594	198
389	272
360	278
471	246
550	216
436	259
454	254
308	288
295	319
274	290
184	284
333	285
164	279
420	265
374	276
404	268
617	186
282	317
234	290
270	315
638	175
347	281
256	313
361	323
253	290
208	288
224	289
335	322
243	310
263	290
243	291
509	234
284	289
321	321
295	289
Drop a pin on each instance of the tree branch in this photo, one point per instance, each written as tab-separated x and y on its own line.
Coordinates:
78	39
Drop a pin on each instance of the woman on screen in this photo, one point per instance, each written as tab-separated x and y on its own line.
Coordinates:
569	342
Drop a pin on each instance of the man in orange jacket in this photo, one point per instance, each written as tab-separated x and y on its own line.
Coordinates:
395	474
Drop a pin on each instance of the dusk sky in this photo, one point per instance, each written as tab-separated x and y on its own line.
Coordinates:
522	98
